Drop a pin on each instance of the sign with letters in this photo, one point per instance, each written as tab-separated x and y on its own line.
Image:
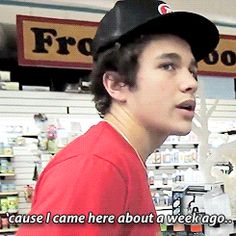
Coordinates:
222	61
51	42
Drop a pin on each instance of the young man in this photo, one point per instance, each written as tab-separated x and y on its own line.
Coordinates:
144	82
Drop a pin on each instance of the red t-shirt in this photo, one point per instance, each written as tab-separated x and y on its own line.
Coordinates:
98	173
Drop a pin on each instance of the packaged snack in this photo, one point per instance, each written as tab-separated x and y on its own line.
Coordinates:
4	204
13	203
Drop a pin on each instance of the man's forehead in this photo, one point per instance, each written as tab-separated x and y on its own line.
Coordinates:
169	46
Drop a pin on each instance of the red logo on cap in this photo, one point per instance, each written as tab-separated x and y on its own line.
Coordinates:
164	9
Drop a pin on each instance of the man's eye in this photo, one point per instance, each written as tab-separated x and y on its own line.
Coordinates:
168	67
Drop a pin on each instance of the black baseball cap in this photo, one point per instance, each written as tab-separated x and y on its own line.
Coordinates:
131	18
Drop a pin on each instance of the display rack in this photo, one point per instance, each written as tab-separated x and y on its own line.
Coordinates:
168	164
9	197
58	106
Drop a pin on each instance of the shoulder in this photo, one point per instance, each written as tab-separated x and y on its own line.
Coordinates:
101	146
80	176
81	170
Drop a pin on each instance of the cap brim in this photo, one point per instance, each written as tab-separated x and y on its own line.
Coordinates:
201	34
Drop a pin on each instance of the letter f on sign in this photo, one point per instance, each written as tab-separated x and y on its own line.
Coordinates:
41	39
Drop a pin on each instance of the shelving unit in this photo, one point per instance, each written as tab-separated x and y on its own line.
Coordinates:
8	196
55	105
17	108
170	160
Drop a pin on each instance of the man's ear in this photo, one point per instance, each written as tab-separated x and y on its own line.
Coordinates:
116	89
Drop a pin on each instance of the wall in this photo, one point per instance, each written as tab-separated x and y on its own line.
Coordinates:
61	109
219	11
9	10
218	87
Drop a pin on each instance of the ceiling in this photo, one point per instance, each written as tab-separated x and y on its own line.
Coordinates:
219	10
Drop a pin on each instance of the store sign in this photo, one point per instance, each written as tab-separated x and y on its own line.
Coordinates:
221	61
50	42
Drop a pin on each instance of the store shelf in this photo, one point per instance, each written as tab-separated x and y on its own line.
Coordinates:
173	165
27	154
8	193
30	135
10	230
178	145
160	186
6	174
6	156
161	208
9	211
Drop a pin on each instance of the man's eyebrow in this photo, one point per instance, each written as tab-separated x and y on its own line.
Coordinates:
177	57
174	56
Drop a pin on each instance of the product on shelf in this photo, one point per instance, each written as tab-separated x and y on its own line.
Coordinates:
175	156
164	179
151	178
162	199
5	222
7	187
9	204
4	204
157	157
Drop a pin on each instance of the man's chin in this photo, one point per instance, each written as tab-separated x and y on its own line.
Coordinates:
182	132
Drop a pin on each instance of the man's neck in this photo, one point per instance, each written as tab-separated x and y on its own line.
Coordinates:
141	139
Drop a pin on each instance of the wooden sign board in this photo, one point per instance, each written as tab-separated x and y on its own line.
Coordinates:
51	42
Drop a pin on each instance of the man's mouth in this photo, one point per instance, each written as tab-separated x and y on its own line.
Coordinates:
188	105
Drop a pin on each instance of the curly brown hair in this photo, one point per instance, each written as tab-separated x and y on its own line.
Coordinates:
121	58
